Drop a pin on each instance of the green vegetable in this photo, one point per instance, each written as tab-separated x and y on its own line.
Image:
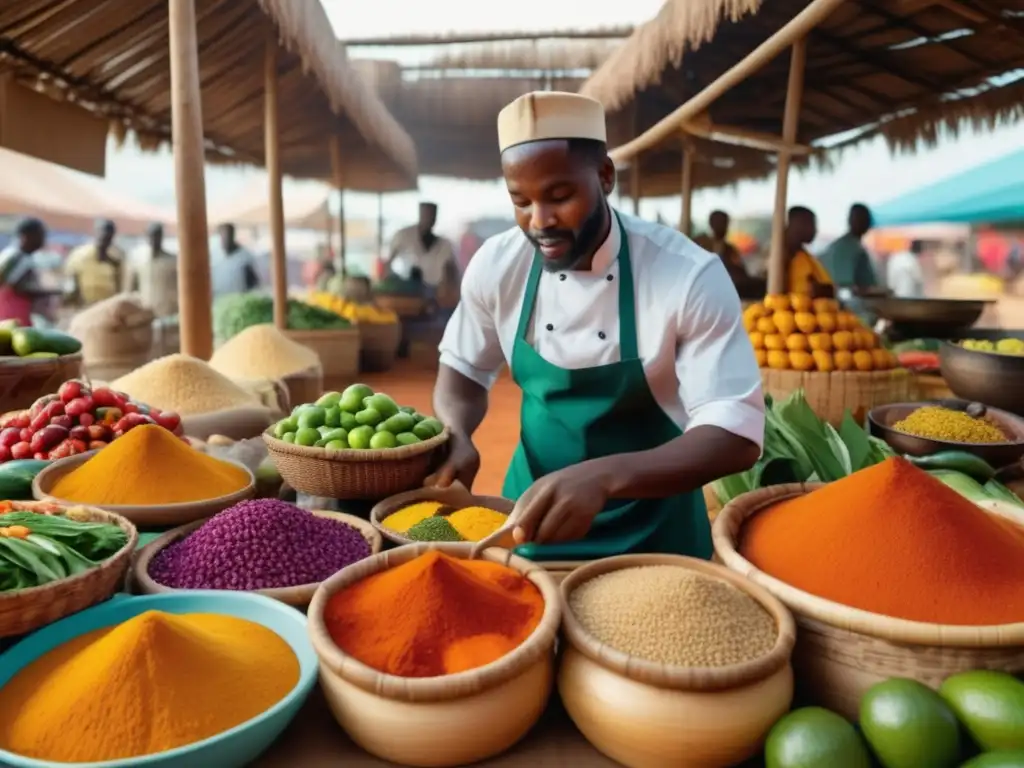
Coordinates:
1000	492
29	341
974	491
16	478
958	461
916	345
235	312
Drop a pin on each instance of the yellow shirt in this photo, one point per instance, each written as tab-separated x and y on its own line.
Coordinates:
803	268
97	280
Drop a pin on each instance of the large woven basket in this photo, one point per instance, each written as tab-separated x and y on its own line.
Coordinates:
830	395
353	474
456	496
23	380
379	346
338	350
25	610
841	651
297	596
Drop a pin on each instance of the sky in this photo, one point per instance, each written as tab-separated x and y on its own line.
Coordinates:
866	173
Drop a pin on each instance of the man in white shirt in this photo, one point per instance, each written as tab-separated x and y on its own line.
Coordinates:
232	267
903	273
419	246
153	273
639	384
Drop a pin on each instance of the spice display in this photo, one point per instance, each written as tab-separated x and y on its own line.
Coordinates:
150	466
434	615
156	682
76	419
356	418
184	384
35	342
476	523
799	333
260	544
673	615
893	540
38	548
938	423
405	518
1001	347
263	352
356	312
234	312
433	529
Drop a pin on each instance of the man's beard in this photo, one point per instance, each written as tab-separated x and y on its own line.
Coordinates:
583	243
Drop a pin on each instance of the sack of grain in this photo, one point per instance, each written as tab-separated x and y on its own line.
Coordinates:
115	333
186	385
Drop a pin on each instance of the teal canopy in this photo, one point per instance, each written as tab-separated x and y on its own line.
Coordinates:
992	193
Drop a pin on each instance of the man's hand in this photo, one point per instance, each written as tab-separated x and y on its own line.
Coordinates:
560	506
462	464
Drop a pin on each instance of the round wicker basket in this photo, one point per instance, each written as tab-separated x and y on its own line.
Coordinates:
456	496
841	651
353	474
156	515
25	610
338	350
23	380
297	596
495	705
631	709
832	394
378	346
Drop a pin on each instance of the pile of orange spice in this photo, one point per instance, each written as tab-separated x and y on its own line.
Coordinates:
893	540
434	615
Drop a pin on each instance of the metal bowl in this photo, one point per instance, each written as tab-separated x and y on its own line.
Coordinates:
882	419
925	317
993	379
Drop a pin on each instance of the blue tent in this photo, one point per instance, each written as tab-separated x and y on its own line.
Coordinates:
992	193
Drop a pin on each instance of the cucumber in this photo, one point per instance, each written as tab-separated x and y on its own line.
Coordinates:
16	478
26	341
958	461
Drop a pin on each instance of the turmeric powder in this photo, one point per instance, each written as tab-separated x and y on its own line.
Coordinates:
476	523
156	682
149	466
405	518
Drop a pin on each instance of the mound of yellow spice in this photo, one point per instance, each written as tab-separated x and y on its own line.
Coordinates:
149	466
156	682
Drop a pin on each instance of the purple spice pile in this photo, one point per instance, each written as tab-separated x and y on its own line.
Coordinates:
261	544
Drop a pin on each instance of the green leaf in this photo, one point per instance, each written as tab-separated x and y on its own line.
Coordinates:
857	442
808	437
1000	492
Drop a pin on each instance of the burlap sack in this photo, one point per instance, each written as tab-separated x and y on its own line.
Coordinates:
116	333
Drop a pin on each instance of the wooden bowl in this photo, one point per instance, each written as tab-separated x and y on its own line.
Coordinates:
438	721
881	421
457	496
984	377
649	715
297	596
23	380
144	516
841	651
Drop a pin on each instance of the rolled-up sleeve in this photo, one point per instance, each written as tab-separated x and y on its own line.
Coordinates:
471	344
719	381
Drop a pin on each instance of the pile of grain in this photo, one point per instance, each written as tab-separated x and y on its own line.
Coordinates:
183	384
673	615
263	352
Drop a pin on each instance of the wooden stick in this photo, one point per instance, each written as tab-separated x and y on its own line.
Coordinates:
790	123
686	190
742	137
272	148
611	33
810	17
338	177
380	226
194	293
634	168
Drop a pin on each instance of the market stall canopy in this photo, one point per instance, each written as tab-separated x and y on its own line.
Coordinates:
112	58
991	193
68	201
304	208
899	69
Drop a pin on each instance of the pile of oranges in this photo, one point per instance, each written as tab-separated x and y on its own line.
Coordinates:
796	332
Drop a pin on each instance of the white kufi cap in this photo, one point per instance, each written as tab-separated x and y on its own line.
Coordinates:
545	115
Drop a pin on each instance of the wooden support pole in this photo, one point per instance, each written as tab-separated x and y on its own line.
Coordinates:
790	123
272	149
741	137
194	292
686	190
380	226
338	178
634	185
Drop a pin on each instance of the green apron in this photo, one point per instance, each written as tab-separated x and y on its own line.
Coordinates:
570	416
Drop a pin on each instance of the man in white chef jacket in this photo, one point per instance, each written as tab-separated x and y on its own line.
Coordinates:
639	383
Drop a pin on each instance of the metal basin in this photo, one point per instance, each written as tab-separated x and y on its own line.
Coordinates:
925	317
993	379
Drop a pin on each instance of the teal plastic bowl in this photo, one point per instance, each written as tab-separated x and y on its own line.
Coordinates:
234	748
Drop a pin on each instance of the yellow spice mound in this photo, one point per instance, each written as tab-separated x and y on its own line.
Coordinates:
156	682
263	351
183	384
149	466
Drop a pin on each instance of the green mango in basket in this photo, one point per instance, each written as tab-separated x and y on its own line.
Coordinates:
353	396
383	404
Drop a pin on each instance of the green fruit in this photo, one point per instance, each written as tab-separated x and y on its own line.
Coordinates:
400	422
353	396
382	404
28	341
323	430
407	438
360	437
407	409
990	705
329	399
300	407
337	445
306	436
369	417
1003	759
288	437
418	417
381	440
284	426
335	434
424	431
320	443
313	417
815	738
348	420
333	416
435	425
908	725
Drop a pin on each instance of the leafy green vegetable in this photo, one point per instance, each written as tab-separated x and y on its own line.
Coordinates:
234	312
95	541
1000	492
857	442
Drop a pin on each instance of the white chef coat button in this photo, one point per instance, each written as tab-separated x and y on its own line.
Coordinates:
550	327
600	335
561	277
609	278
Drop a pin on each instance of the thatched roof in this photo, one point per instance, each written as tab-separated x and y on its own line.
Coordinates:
112	57
565	56
897	69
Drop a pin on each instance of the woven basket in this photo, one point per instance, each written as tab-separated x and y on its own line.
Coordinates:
830	395
298	596
403	306
456	495
338	350
495	705
379	346
23	380
842	651
304	387
25	610
631	709
353	474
